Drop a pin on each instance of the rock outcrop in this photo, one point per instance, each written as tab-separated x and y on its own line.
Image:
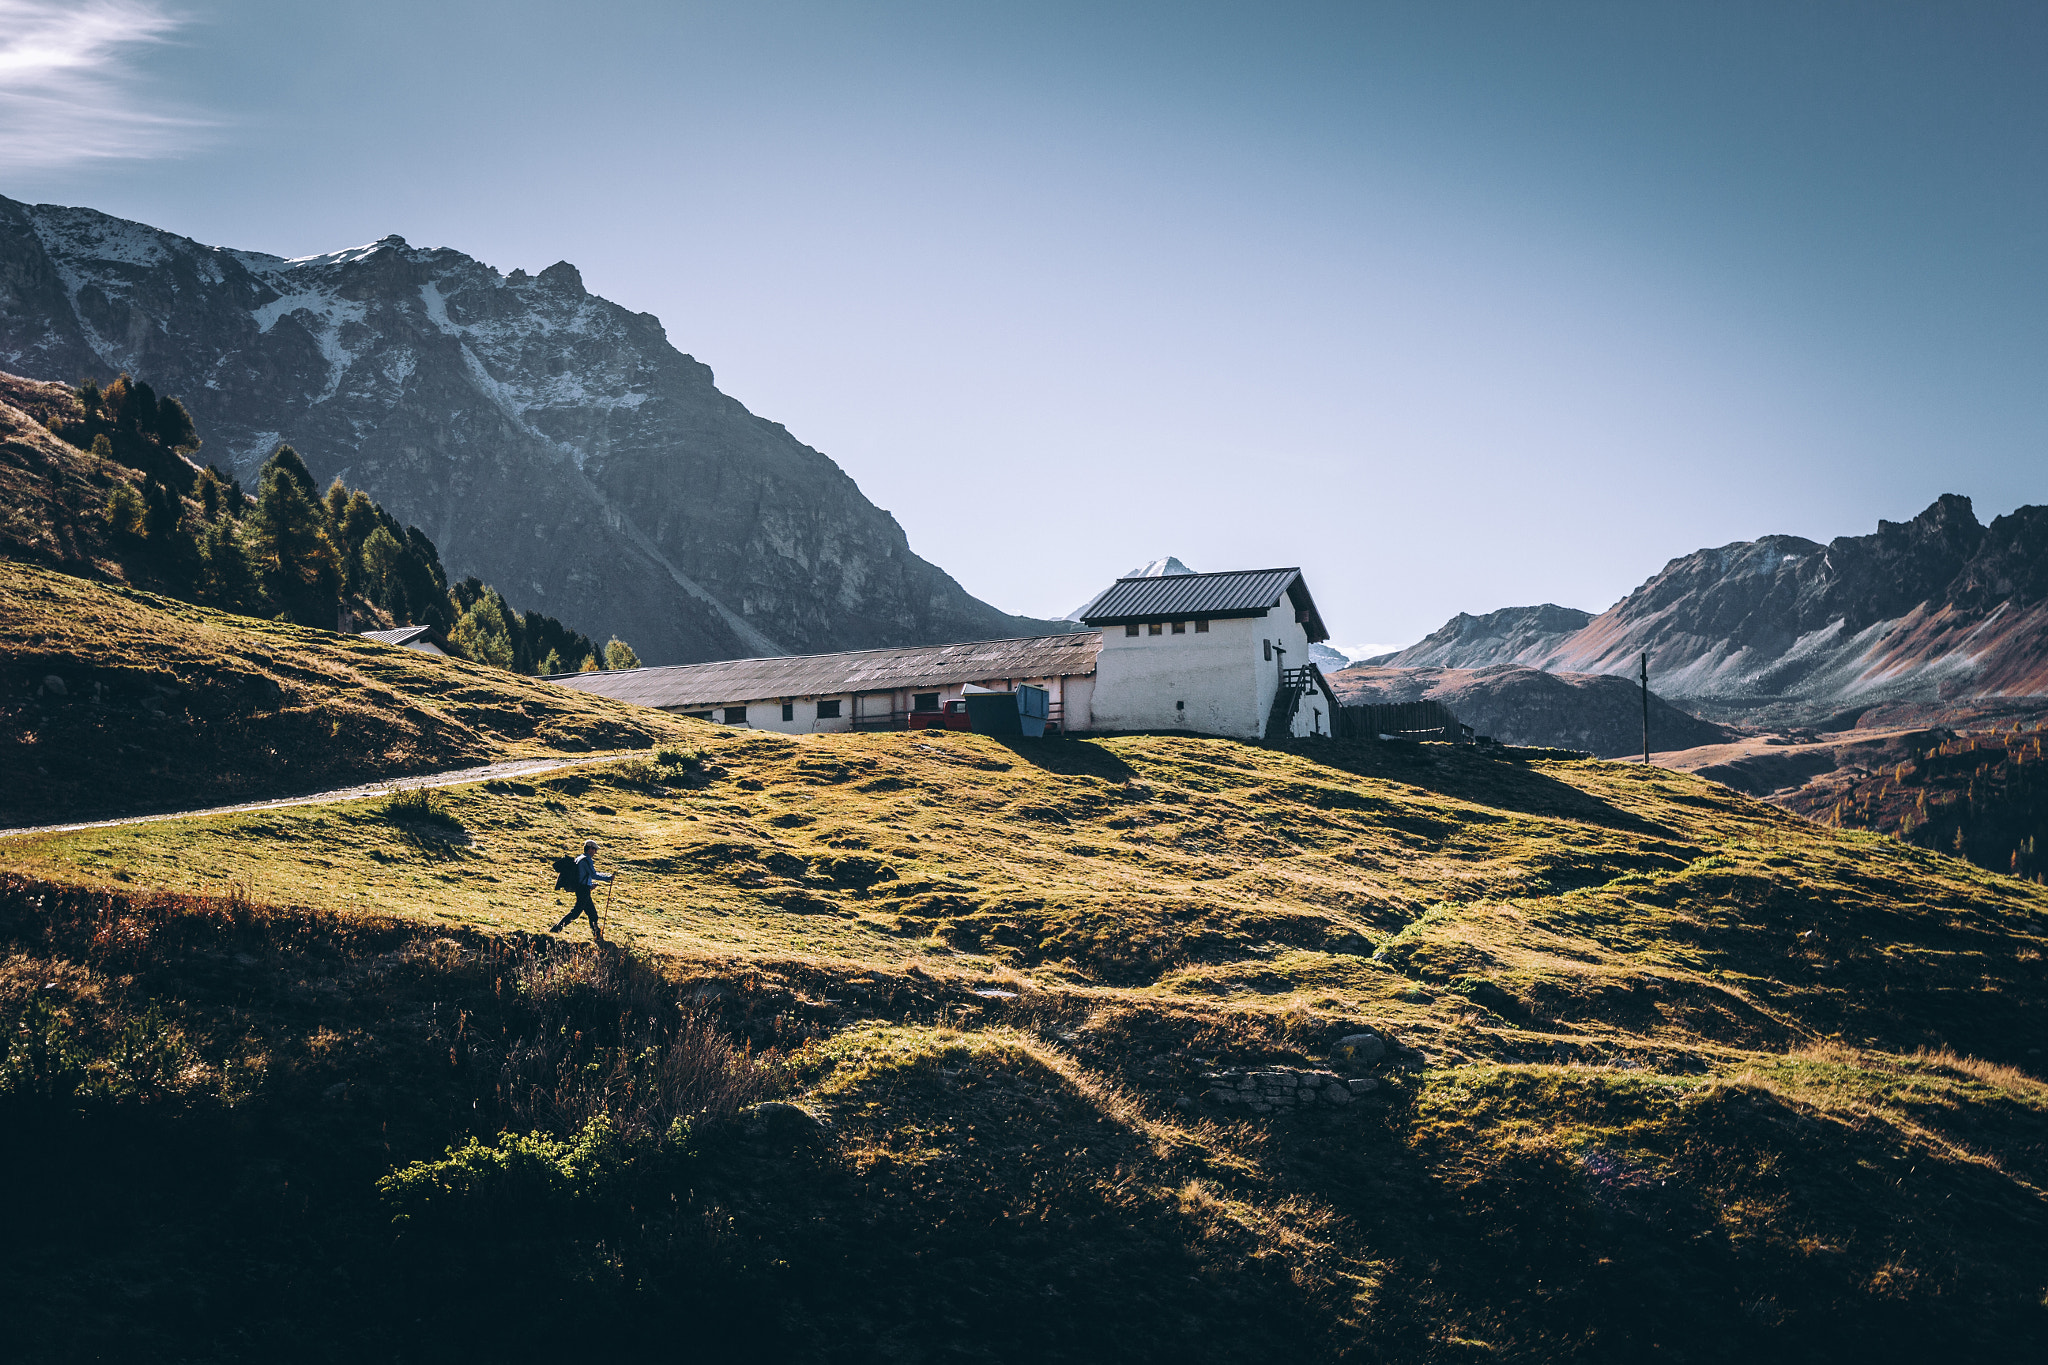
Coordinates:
548	440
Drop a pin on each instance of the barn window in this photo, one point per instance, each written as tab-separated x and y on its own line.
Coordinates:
1180	627
1201	627
828	710
735	715
789	710
1269	649
924	701
1155	628
1131	629
698	715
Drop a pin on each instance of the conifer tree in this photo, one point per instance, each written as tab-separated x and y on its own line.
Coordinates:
225	579
162	512
286	460
380	558
294	557
125	510
551	664
336	502
173	428
619	654
482	633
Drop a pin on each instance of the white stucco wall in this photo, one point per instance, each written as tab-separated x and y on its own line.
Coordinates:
1217	683
766	714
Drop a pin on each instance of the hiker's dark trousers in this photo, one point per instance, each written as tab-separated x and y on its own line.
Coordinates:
584	906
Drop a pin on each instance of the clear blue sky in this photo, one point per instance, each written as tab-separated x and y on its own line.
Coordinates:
1459	306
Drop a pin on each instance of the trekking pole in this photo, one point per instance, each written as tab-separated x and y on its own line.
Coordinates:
608	899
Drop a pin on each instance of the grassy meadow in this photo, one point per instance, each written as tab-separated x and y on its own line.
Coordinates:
901	1050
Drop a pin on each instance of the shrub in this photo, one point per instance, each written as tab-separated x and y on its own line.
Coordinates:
421	806
148	1055
42	1062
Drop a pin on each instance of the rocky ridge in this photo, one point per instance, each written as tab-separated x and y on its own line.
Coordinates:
1512	635
547	439
1940	610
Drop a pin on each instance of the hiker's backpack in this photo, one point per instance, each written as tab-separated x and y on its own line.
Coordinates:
565	874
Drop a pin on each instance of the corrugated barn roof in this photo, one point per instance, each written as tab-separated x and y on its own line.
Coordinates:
737	681
1173	597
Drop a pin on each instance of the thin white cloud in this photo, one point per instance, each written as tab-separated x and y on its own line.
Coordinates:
70	90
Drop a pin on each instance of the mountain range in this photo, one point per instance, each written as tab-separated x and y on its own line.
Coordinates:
1937	612
548	440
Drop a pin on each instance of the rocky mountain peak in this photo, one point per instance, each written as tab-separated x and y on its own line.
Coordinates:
1922	610
561	275
548	440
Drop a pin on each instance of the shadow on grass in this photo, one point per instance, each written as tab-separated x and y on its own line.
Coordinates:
1070	758
1504	784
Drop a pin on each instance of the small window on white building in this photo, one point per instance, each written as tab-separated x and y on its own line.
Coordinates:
828	710
1269	649
1131	629
1155	628
924	701
735	715
789	710
1180	627
1201	627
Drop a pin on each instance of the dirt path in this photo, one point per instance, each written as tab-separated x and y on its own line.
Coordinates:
453	777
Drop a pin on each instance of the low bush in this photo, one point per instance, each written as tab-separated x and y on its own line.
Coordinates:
421	806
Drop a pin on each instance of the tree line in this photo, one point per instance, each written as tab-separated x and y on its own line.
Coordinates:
289	552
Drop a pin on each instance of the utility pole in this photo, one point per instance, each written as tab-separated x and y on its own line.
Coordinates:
1646	708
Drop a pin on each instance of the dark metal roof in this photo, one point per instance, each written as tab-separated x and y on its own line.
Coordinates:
733	682
1243	592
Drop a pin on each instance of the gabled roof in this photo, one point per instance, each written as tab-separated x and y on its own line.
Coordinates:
404	635
1243	592
737	681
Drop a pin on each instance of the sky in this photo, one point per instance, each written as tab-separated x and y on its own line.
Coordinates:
1457	306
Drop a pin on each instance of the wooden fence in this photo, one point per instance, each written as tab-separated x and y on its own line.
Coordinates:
1409	719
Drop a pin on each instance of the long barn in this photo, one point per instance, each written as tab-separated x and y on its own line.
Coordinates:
1215	653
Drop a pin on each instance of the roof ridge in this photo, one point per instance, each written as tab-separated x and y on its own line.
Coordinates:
1216	573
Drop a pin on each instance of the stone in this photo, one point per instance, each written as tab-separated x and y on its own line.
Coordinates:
1336	1093
53	684
1361	1047
1362	1086
779	1116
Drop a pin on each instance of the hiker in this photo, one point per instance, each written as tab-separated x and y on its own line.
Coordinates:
587	877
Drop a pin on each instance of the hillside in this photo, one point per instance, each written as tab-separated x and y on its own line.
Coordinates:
156	701
1937	611
1597	714
1644	1068
548	440
1981	794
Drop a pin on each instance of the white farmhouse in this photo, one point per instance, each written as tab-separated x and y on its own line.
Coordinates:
1216	653
862	689
1213	653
